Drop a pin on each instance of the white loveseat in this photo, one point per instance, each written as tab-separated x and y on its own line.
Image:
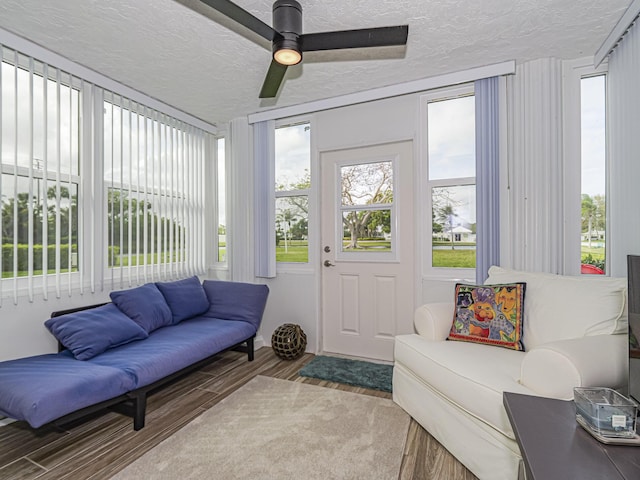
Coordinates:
574	335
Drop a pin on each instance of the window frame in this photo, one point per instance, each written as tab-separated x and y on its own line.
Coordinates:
214	202
573	73
390	256
284	267
427	185
67	279
183	146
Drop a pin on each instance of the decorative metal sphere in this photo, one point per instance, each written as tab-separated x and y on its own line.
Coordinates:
289	341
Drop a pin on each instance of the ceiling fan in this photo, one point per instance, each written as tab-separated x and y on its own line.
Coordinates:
288	41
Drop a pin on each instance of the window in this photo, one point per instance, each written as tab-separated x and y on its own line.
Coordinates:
40	137
222	209
93	184
367	207
451	180
593	158
153	173
293	184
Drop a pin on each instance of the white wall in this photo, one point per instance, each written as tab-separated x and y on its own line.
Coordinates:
22	330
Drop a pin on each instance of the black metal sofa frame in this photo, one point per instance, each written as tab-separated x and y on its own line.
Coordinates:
134	403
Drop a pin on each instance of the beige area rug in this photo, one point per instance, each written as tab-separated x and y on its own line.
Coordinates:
278	429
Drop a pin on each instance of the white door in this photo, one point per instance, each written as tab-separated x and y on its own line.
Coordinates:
368	249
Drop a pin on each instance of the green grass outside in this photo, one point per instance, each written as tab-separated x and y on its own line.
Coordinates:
448	244
454	258
294	253
596	253
369	245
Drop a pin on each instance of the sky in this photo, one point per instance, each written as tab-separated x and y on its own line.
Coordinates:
293	153
593	135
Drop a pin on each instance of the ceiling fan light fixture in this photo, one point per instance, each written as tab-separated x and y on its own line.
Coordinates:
288	42
287	56
287	21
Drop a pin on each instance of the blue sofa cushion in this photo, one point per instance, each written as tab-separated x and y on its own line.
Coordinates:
90	332
144	305
172	348
236	301
45	387
185	298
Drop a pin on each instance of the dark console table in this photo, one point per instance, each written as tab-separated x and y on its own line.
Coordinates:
554	446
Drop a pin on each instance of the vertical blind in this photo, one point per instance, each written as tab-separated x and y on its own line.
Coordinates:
487	98
143	184
154	176
39	138
623	119
264	199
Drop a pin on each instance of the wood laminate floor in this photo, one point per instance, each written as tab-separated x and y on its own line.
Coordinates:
98	447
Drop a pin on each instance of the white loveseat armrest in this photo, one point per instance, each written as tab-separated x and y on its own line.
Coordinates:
554	369
433	320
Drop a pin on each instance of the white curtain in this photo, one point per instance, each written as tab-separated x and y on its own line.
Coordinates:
487	98
623	232
264	200
533	210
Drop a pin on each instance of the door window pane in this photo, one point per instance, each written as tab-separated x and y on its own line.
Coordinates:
368	186
367	183
366	230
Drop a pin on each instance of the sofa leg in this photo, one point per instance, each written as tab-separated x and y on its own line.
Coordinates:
250	349
139	410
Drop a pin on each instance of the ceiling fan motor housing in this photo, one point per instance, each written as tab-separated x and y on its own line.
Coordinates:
287	20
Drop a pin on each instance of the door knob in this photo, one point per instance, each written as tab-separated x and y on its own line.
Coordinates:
327	263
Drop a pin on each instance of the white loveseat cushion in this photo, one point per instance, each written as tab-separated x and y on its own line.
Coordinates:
558	307
471	376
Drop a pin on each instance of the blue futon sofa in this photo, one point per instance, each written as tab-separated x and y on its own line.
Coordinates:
113	355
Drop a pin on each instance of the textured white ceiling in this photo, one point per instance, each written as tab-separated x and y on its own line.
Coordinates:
185	54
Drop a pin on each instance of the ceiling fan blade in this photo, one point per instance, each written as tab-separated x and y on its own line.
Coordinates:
273	80
243	17
366	37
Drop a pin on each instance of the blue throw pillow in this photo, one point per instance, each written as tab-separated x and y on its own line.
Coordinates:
90	332
186	298
144	305
236	301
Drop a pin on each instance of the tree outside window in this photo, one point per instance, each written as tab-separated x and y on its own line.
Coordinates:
293	184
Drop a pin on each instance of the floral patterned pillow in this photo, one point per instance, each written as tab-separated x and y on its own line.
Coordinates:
489	314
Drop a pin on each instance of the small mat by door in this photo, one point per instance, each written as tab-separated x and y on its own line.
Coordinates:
358	373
